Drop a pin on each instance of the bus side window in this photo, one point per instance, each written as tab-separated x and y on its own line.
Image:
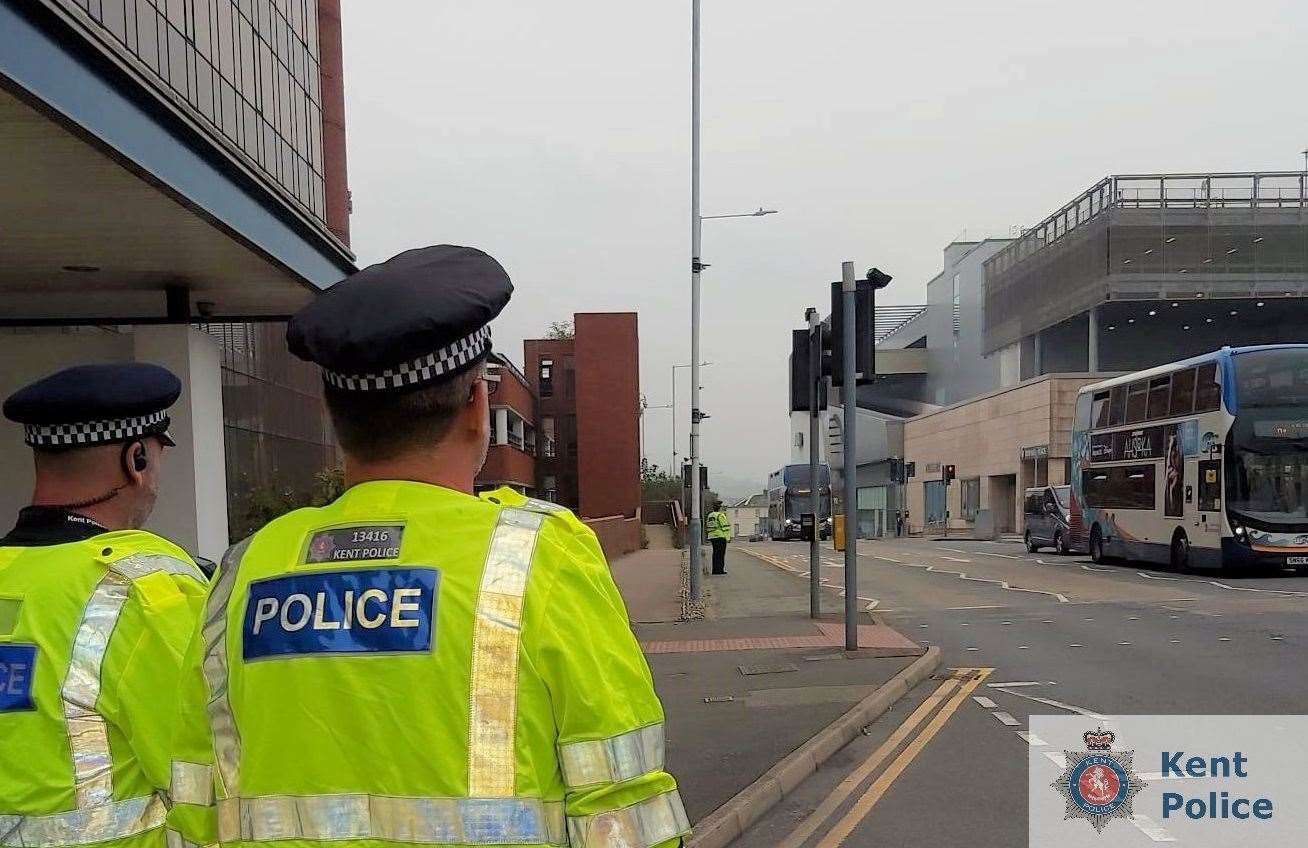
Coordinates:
1137	401
1117	406
1099	417
1207	391
1183	392
1160	392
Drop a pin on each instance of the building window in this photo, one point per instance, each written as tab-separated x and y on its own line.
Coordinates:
1120	487
546	378
250	71
547	437
969	493
958	320
569	378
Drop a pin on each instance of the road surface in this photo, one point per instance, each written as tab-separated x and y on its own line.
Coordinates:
1024	634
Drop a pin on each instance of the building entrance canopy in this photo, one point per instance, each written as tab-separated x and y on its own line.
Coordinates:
114	210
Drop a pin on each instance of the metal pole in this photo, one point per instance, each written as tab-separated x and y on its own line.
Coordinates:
676	469
849	399
695	553
1092	349
814	375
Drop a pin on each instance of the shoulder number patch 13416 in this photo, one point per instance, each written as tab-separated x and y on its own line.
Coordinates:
360	611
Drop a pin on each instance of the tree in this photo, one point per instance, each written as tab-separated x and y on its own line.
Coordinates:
560	330
657	485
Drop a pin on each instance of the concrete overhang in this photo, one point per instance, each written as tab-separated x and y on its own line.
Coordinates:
909	360
114	211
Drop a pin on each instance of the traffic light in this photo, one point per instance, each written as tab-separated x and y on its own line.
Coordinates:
800	374
948	473
865	306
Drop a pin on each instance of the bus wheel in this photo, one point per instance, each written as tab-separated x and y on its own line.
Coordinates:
1180	551
1031	546
1060	543
1097	545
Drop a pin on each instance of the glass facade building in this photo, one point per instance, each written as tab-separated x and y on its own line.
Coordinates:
249	69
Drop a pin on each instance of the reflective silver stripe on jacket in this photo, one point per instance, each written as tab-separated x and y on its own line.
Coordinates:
612	760
88	736
192	783
139	565
114	820
226	740
641	825
493	695
173	839
460	821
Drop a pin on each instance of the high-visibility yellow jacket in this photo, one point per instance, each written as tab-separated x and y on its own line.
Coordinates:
719	525
414	665
92	637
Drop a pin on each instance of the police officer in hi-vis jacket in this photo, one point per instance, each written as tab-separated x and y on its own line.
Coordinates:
95	615
414	664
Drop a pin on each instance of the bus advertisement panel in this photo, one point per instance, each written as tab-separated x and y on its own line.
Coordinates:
1198	463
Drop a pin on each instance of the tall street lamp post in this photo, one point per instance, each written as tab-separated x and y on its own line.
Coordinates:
696	222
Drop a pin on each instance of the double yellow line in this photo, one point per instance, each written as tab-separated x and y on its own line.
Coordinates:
964	680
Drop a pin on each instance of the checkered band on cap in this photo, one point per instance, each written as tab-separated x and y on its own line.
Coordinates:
94	432
425	369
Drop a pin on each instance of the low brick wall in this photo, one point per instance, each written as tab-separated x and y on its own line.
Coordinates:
618	535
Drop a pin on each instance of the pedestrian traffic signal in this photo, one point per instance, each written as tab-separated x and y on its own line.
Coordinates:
948	473
800	374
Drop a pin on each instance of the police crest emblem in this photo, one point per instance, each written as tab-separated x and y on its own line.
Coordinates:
1098	784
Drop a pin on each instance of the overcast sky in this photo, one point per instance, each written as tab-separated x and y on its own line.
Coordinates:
556	136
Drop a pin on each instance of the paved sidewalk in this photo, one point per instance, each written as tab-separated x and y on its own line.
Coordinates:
754	679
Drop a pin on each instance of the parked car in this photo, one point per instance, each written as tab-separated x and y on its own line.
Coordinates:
1048	518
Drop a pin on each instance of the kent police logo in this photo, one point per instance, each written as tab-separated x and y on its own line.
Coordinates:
1098	783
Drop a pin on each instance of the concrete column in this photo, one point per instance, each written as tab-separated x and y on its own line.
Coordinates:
1039	355
192	508
1092	346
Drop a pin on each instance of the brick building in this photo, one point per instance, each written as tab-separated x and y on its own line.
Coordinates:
511	459
588	393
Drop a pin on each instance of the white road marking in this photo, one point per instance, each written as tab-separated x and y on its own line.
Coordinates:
1050	702
1095	568
886	558
984	703
956	559
978	606
1074	645
1223	639
993	554
1007	720
1149	576
1124	643
1024	647
1015	683
1031	739
1056	758
971	649
953	550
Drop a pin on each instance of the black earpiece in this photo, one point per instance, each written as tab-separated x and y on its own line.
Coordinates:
139	460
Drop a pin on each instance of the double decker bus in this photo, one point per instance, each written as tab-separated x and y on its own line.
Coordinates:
1199	463
789	496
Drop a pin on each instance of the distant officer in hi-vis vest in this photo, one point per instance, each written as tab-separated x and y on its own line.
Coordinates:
413	664
95	615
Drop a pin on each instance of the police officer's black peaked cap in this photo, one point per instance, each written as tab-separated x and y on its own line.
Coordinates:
418	318
95	405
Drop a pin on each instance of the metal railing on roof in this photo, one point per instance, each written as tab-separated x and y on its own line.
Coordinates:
891	319
1236	190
